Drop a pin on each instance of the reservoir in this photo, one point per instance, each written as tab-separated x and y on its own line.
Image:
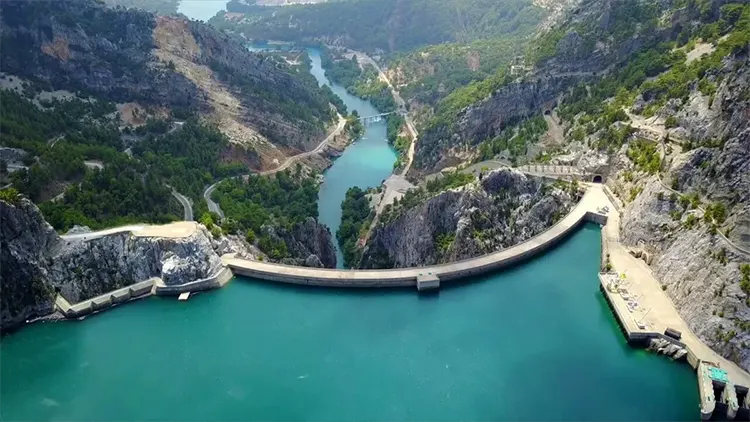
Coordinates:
536	342
201	10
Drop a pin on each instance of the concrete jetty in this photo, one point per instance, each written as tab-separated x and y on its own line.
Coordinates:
645	312
152	286
138	290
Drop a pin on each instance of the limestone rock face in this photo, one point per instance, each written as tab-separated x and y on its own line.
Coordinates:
486	118
309	244
699	269
114	54
86	269
505	208
36	263
25	239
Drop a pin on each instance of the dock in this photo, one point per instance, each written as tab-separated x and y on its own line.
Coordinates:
719	386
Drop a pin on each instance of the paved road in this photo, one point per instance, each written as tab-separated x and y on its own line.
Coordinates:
661	310
398	183
102	233
180	229
295	158
401	105
474	169
659	132
214	207
185	202
395	187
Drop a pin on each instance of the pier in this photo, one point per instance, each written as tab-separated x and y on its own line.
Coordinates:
645	312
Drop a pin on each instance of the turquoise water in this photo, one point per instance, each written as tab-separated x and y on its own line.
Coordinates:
201	10
366	163
533	343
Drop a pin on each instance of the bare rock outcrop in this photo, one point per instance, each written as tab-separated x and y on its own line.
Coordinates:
700	271
36	263
505	208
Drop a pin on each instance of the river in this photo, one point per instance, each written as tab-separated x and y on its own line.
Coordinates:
366	163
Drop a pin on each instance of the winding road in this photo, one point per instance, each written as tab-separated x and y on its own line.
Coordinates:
185	202
215	208
401	106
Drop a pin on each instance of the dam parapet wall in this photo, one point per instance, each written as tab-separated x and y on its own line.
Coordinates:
587	210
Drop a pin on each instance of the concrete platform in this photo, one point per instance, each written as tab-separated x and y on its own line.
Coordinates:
428	282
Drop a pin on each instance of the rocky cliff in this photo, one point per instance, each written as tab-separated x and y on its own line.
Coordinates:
698	257
505	208
486	118
595	36
309	244
36	263
698	267
163	63
26	245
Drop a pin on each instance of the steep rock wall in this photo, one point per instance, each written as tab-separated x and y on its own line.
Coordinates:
36	263
504	209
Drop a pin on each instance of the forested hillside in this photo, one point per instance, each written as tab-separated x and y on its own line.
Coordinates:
654	97
162	62
105	111
160	7
389	26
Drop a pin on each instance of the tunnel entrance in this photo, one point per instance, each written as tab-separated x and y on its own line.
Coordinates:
597	178
547	112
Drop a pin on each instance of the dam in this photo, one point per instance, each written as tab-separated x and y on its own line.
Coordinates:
728	394
586	210
259	351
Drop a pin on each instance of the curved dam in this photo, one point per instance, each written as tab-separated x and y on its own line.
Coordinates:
429	277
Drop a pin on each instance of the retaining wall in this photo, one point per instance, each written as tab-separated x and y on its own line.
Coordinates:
104	301
216	280
615	202
407	277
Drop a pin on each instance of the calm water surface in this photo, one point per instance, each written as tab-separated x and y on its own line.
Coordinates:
533	343
201	10
366	163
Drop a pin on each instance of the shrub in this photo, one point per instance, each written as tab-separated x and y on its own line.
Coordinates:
670	122
10	196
